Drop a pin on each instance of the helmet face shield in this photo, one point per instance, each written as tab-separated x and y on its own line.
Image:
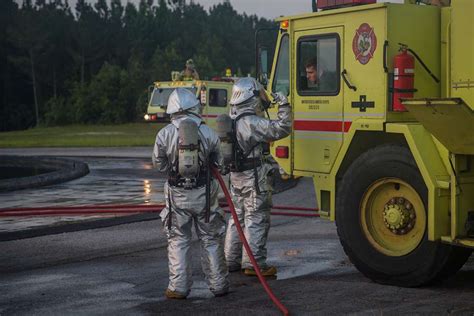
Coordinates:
181	100
244	89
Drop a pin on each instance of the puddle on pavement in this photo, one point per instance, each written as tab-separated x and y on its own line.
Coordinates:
300	257
110	181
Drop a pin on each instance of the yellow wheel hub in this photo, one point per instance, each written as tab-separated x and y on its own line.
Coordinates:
393	217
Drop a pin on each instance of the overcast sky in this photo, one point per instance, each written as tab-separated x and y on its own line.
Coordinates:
265	8
269	9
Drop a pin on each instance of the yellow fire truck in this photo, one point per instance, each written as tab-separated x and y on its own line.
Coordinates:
214	96
383	99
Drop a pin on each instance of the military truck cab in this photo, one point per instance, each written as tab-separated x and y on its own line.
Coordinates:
364	128
214	97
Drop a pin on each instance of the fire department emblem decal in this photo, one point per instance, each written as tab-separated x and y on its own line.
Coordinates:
364	43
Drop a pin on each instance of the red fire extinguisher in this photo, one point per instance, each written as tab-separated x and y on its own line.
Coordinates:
403	78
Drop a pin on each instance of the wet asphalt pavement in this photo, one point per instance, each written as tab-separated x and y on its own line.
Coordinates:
110	181
122	269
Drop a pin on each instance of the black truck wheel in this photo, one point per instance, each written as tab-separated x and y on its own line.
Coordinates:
381	217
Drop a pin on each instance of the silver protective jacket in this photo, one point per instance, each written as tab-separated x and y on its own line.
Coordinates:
186	208
253	205
254	130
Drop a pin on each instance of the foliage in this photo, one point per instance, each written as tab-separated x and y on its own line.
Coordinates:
93	64
106	99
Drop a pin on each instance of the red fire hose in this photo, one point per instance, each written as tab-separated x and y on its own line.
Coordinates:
150	208
126	209
82	210
267	288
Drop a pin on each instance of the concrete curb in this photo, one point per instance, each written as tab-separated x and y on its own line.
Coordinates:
65	170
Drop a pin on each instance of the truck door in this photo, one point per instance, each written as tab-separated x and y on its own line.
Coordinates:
217	99
280	82
317	98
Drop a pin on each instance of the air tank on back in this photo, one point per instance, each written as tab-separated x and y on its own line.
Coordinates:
224	131
188	149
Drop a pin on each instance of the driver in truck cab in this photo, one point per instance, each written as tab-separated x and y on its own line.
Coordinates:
319	79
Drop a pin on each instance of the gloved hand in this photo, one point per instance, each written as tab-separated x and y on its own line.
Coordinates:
280	98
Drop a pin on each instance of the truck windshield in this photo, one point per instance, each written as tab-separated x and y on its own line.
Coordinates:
160	96
281	82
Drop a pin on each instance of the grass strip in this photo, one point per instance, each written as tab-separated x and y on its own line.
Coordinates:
132	134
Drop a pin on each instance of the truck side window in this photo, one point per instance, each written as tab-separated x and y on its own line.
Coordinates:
281	81
318	65
160	97
218	97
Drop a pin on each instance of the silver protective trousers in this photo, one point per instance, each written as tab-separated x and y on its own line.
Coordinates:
253	210
186	208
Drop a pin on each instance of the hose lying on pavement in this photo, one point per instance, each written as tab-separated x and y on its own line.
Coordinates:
150	208
125	209
267	288
82	210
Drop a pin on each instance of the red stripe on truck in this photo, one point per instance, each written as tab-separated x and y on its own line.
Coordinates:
322	126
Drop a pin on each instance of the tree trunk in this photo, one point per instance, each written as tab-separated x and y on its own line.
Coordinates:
5	91
33	77
55	90
83	61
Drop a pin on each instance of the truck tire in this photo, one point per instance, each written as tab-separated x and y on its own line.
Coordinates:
381	217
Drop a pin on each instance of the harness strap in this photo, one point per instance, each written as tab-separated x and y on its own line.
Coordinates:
240	157
170	210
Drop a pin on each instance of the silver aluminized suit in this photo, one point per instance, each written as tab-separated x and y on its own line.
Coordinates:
253	208
187	207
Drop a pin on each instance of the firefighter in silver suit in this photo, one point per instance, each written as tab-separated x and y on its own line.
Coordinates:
251	185
191	203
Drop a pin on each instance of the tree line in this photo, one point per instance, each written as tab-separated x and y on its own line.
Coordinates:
93	64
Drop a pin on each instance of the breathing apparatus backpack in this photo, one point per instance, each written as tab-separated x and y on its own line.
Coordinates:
189	170
235	158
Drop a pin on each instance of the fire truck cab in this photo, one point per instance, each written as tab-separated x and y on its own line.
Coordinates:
214	96
383	99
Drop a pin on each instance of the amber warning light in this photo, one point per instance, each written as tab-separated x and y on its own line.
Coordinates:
284	24
281	152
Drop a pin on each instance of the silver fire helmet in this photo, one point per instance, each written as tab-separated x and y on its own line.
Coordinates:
244	89
181	100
